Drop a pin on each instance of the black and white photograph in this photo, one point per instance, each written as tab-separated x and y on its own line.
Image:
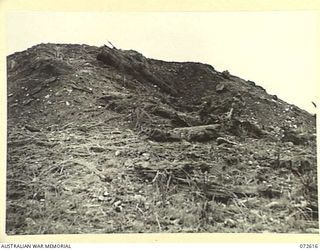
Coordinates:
162	122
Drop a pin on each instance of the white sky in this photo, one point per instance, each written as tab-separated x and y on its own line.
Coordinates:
277	50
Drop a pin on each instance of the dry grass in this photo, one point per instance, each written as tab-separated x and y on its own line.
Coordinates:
83	187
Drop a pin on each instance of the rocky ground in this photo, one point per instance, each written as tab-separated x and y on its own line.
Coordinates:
103	140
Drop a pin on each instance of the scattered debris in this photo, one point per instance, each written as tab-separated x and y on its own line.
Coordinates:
32	128
108	141
221	140
220	87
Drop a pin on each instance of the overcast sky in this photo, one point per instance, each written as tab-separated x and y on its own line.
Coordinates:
277	50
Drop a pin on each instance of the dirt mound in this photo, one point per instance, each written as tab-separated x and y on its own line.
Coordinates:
107	140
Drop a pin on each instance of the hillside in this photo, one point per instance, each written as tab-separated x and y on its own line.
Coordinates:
103	140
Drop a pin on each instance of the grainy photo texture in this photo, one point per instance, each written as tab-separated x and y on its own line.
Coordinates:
102	139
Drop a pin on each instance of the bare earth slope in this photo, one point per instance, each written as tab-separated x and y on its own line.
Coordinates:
103	140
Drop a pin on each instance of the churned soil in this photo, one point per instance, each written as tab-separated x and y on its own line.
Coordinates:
103	140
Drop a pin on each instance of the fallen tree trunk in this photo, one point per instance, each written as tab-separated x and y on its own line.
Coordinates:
198	133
